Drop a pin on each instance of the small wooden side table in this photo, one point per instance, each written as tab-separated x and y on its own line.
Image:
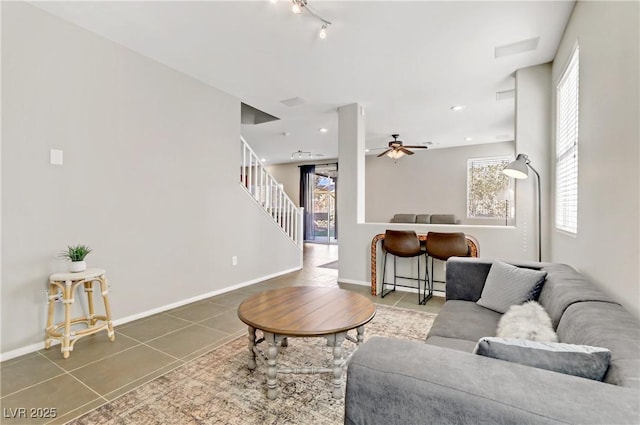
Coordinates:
66	284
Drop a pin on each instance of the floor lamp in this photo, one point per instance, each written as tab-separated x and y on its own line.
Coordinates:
505	196
519	169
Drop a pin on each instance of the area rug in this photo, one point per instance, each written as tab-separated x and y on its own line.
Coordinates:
217	388
331	265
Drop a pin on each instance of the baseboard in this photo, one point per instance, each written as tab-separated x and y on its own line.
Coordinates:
40	345
354	282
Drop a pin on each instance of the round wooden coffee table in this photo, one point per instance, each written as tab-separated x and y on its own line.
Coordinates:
304	311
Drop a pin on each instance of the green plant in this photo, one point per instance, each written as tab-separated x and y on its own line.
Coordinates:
76	253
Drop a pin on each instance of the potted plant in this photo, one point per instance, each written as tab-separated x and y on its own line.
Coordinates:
76	255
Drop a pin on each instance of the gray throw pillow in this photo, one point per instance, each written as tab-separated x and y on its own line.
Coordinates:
578	360
508	285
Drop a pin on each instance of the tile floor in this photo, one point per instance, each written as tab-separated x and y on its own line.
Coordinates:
99	370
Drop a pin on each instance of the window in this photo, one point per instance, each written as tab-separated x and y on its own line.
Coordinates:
567	93
486	186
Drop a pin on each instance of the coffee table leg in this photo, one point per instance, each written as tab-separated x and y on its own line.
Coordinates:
272	365
251	364
284	342
360	330
338	366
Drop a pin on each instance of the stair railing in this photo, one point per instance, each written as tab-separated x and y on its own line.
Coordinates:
270	195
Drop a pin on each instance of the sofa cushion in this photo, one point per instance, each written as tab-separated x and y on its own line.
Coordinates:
452	343
444	219
526	321
464	320
404	218
606	325
578	360
565	286
423	218
508	285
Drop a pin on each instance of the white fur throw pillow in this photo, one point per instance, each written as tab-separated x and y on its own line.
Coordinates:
527	321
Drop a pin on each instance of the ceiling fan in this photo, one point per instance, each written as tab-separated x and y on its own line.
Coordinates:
397	149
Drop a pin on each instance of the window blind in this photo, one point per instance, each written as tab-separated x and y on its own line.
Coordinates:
567	98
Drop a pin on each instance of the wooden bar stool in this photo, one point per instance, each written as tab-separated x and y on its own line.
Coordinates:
66	284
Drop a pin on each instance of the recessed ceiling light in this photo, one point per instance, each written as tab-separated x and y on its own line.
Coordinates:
263	159
468	139
367	150
458	107
323	130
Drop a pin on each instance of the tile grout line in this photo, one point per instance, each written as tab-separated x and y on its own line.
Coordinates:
179	363
102	358
63	372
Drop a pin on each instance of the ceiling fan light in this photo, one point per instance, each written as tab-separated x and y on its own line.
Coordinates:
395	154
295	8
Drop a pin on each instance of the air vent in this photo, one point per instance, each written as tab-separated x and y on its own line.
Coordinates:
506	94
294	101
518	47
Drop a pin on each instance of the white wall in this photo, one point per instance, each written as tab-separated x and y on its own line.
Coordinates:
143	183
607	246
430	182
533	138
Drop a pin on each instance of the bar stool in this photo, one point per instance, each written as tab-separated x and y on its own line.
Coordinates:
403	243
442	246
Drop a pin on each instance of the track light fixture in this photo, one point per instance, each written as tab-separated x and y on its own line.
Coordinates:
299	154
297	6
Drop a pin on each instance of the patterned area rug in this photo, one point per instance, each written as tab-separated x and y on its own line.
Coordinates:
217	388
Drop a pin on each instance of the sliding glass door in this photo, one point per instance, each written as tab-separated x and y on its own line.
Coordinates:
318	188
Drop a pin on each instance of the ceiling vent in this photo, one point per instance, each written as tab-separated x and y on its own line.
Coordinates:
252	116
506	94
294	101
515	48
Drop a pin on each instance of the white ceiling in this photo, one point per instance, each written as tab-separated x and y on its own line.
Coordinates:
406	62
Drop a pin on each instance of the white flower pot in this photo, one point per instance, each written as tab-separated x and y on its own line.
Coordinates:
77	266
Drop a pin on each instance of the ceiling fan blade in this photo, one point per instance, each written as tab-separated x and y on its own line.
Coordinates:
406	151
385	152
418	147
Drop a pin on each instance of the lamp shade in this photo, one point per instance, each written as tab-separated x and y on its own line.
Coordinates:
518	169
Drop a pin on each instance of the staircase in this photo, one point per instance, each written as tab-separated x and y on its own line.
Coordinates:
270	195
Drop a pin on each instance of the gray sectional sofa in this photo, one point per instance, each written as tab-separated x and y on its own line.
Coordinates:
392	381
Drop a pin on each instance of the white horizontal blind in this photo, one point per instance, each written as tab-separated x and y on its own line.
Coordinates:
567	96
485	182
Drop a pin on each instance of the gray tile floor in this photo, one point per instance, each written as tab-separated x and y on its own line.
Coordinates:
99	370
